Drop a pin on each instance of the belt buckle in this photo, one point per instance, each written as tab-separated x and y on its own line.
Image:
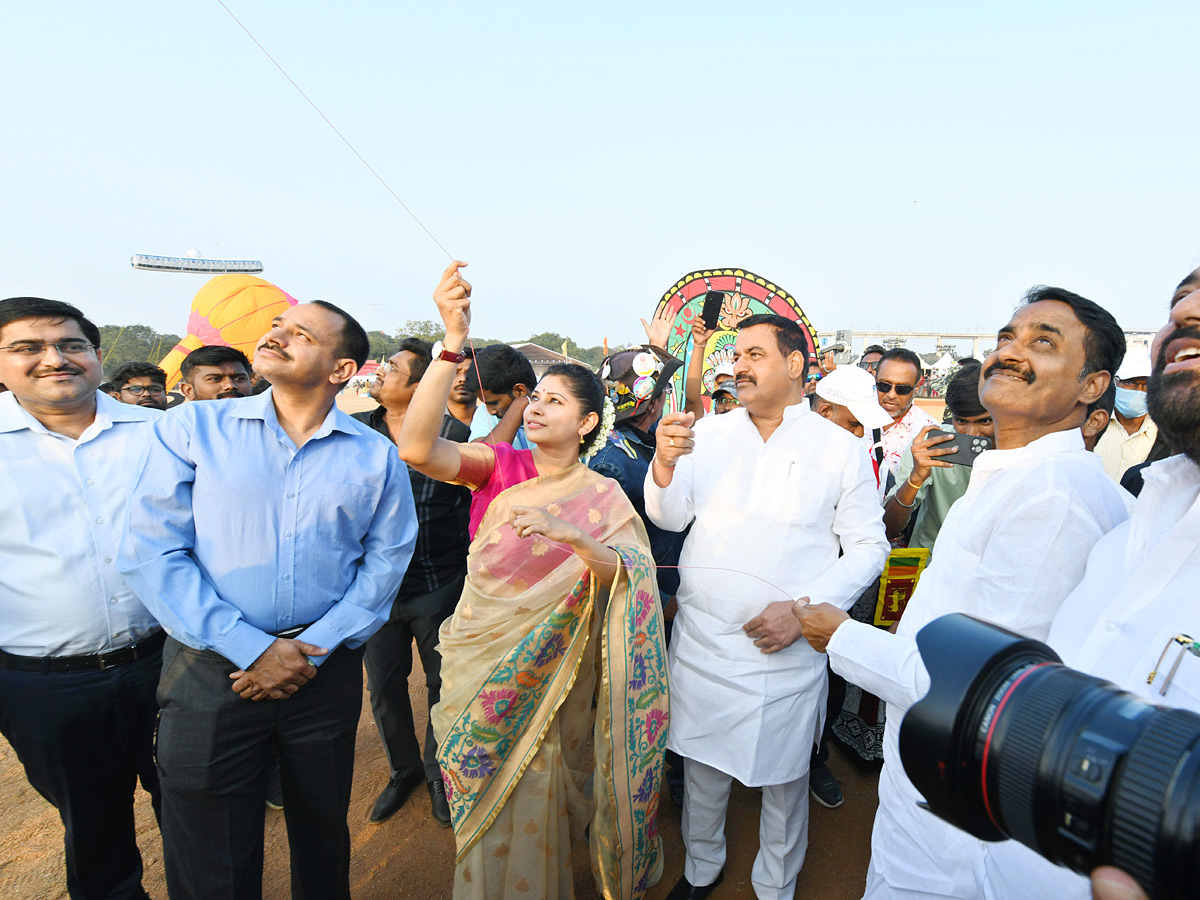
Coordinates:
102	660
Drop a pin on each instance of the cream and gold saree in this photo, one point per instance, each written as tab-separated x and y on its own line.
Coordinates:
530	644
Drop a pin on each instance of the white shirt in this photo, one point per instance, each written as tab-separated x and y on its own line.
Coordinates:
1010	551
62	502
769	520
1118	449
1139	592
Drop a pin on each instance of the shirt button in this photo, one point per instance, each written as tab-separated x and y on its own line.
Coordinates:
108	559
287	577
100	520
89	481
112	599
288	534
1110	625
292	496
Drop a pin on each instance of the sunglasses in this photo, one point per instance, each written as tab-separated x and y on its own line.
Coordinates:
886	387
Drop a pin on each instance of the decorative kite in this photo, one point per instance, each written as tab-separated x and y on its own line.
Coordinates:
232	311
746	294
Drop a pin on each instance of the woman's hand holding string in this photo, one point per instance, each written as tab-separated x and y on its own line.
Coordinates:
528	521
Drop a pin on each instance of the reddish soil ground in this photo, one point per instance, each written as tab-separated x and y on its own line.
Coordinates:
410	856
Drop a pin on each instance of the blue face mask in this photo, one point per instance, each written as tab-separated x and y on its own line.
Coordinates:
1131	404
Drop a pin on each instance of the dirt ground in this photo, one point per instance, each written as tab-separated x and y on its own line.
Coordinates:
410	856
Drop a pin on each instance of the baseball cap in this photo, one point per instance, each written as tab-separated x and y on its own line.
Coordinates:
854	388
728	387
1136	363
725	368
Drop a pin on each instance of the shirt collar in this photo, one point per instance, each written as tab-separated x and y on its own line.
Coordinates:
796	410
1173	469
14	417
262	407
1046	445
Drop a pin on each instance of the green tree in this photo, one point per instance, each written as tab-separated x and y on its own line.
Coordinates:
120	344
425	329
383	345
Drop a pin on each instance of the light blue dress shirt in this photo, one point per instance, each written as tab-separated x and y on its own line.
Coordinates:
482	423
233	533
62	502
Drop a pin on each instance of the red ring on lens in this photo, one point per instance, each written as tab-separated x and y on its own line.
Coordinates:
987	744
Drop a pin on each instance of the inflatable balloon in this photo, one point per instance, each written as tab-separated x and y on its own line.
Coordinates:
746	294
230	310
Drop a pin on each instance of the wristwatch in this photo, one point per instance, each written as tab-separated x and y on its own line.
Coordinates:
440	352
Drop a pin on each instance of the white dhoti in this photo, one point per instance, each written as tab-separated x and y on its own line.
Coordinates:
782	831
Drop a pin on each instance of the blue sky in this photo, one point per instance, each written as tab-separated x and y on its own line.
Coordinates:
898	165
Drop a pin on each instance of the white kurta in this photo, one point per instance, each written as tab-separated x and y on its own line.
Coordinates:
1010	551
768	521
1138	593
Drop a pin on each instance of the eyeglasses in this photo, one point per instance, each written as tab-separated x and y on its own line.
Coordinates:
1132	385
1187	644
37	348
137	390
886	387
870	366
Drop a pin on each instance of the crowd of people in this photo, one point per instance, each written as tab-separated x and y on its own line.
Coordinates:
615	594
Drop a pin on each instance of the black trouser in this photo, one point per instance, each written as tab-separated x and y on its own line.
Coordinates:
833	706
389	662
85	739
212	760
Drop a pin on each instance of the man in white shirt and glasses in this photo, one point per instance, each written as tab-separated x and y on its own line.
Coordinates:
79	653
782	504
1139	590
1009	551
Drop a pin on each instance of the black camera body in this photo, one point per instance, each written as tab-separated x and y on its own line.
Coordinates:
1011	743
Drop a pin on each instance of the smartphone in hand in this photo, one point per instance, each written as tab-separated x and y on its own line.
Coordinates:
711	311
969	446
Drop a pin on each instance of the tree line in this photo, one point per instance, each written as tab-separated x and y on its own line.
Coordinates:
120	344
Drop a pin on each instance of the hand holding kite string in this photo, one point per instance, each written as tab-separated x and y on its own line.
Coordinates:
700	335
453	299
818	621
774	628
672	439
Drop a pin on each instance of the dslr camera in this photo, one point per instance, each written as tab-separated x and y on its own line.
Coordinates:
1010	743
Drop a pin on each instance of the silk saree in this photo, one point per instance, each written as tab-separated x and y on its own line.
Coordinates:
534	639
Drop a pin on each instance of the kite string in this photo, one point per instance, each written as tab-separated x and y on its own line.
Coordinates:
450	256
344	139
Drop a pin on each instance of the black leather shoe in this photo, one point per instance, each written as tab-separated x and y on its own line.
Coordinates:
437	799
392	797
685	890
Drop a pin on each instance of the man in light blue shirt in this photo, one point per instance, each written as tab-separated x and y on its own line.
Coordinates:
79	653
504	378
270	535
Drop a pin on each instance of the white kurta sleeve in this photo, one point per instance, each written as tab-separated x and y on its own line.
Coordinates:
858	523
671	508
884	664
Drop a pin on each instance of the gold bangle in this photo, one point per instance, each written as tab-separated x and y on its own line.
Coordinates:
908	481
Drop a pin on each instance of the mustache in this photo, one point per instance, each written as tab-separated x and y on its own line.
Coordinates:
67	369
1160	361
1000	366
274	348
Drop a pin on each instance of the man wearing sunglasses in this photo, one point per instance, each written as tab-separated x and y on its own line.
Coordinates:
141	383
896	381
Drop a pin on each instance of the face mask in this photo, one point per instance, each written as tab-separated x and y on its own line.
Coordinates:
1131	404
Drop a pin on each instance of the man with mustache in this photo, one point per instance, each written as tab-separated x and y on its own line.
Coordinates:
1009	551
270	536
1139	590
79	653
214	373
782	504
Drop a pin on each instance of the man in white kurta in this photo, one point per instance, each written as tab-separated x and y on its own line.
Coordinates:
1139	590
1009	552
773	493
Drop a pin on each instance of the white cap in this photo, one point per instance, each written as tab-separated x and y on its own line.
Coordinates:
725	368
1136	363
854	388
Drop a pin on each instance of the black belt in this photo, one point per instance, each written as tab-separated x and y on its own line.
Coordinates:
101	661
291	632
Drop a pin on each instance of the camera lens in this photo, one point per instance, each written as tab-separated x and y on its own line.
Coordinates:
1010	743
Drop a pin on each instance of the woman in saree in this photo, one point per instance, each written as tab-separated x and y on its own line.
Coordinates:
560	607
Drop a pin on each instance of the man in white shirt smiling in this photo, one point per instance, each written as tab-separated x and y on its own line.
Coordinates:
1140	587
774	493
79	653
1009	551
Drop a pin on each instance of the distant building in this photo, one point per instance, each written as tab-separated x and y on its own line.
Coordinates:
541	359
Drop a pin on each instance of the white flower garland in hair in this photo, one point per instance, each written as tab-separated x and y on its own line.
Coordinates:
607	418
